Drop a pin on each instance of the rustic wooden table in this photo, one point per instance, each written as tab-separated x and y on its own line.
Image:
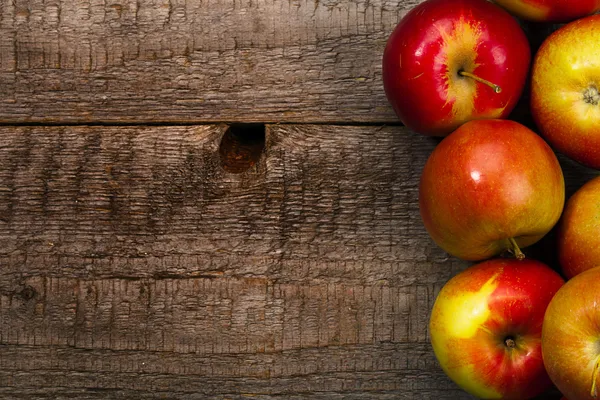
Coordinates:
153	245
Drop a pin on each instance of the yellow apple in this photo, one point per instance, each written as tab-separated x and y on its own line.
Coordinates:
579	230
550	10
571	337
565	90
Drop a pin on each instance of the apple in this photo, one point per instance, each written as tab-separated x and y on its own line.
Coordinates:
571	337
578	232
550	10
486	327
489	187
451	61
565	90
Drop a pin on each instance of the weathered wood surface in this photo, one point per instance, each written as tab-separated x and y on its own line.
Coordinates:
196	60
132	264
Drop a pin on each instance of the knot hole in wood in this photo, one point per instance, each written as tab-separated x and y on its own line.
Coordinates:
27	293
241	147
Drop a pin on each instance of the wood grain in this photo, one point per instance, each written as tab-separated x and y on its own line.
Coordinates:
74	61
133	264
124	198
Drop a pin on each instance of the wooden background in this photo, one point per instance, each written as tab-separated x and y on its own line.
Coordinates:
139	258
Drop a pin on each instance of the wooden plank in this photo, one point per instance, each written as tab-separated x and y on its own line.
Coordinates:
191	61
368	370
210	315
154	202
133	265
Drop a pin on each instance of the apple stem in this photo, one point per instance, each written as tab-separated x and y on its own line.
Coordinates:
510	343
594	391
496	88
514	249
592	95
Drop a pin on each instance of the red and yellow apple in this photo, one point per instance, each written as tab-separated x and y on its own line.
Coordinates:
488	187
579	230
550	10
571	337
486	327
451	61
565	90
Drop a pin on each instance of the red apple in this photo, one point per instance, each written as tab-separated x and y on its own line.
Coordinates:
451	61
490	186
565	90
579	230
571	337
550	10
486	327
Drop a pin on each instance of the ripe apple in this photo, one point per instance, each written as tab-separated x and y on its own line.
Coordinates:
486	326
579	230
565	90
451	61
550	10
571	337
490	186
